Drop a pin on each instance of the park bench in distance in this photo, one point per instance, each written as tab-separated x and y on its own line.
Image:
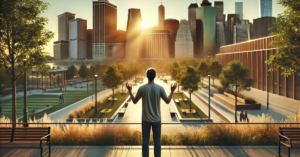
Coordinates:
25	138
290	137
172	112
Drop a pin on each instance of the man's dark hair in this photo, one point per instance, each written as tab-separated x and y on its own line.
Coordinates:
151	73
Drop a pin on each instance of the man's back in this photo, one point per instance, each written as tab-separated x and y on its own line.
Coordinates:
151	94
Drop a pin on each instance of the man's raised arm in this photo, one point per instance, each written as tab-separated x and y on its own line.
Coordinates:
133	98
169	98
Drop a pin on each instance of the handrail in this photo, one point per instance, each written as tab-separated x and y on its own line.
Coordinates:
164	123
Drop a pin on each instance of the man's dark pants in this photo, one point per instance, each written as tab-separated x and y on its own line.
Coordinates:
156	129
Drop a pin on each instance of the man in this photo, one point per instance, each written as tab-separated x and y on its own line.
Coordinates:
241	116
151	116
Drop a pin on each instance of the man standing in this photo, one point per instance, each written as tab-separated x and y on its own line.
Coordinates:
151	116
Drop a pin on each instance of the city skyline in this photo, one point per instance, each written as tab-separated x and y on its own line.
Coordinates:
177	9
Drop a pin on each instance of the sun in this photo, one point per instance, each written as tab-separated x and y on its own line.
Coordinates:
144	25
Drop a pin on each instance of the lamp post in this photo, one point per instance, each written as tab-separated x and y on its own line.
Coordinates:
268	91
96	93
209	96
25	119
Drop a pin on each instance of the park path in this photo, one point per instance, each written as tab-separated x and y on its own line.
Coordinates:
166	151
279	107
62	114
133	112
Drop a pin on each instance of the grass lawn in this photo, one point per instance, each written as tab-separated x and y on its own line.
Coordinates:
39	103
186	105
107	105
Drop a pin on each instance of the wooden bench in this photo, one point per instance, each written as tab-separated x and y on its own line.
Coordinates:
172	112
25	138
289	137
176	101
122	112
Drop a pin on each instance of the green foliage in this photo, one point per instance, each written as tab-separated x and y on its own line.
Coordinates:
215	68
23	34
112	77
92	71
203	68
287	28
189	79
175	71
83	71
235	74
133	69
71	72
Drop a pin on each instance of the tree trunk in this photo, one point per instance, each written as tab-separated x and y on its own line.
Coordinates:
235	102
87	87
113	98
190	102
14	101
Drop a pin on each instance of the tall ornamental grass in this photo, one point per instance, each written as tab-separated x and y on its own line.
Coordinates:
206	134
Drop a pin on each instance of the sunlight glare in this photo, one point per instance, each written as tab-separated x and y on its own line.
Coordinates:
144	25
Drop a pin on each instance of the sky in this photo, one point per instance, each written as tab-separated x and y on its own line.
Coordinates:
175	9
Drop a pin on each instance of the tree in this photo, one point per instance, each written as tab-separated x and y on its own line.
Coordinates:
189	81
112	77
215	68
175	72
203	69
83	71
235	77
92	71
287	41
22	36
71	72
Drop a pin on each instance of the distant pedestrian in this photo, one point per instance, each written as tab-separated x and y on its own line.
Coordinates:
63	99
0	110
33	115
241	116
65	88
246	117
59	98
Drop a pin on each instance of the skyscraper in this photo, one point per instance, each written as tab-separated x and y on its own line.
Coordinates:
161	16
184	45
172	26
192	19
206	30
78	38
261	26
239	9
89	44
61	47
220	11
63	25
265	8
134	34
157	44
232	20
105	27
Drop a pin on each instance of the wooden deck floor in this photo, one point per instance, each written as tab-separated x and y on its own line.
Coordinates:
167	151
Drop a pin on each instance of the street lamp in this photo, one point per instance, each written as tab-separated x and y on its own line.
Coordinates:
268	92
96	93
209	95
25	119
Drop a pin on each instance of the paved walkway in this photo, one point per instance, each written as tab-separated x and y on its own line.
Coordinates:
280	107
133	112
62	114
166	151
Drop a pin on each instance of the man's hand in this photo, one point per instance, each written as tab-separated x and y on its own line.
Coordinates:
173	87
129	87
